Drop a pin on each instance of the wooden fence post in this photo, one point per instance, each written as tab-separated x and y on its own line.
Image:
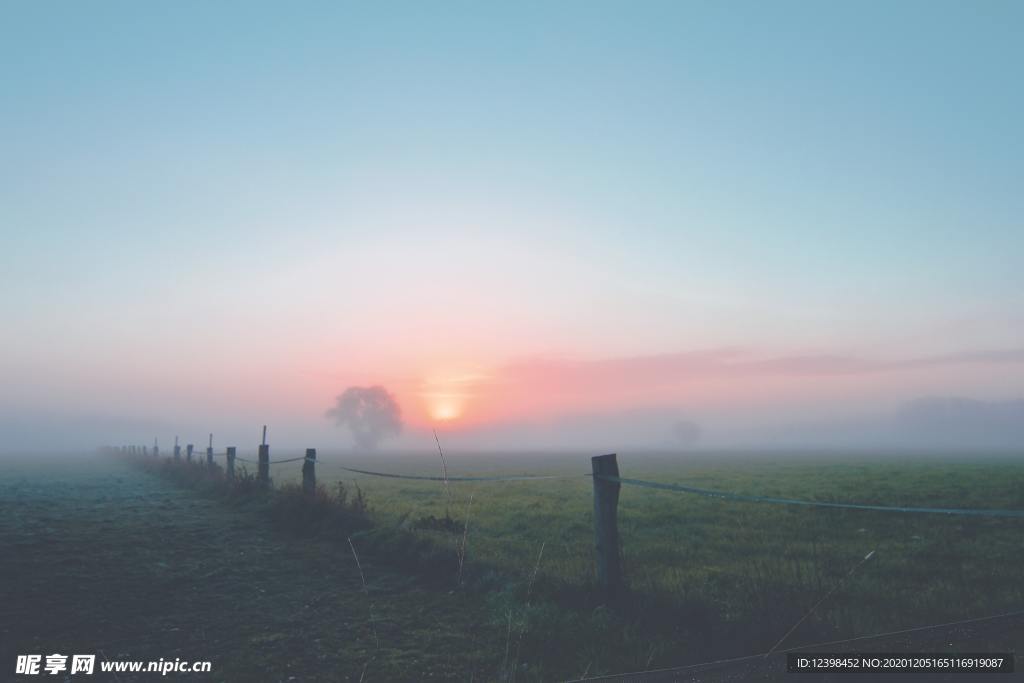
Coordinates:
309	472
606	524
188	452
230	460
263	466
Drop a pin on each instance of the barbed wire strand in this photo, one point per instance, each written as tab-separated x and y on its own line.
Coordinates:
725	495
680	488
524	477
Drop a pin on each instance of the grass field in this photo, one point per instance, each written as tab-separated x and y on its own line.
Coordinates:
109	555
102	558
748	570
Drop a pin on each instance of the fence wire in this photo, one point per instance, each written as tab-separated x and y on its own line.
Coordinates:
725	495
678	488
523	477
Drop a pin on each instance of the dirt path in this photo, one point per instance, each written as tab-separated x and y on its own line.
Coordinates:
99	558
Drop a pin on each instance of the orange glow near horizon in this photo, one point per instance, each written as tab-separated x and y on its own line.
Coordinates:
455	395
443	407
446	396
470	396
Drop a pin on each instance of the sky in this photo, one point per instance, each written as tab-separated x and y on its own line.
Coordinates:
535	224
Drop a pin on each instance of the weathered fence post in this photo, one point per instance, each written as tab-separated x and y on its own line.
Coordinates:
309	472
230	460
209	453
188	452
263	466
606	524
177	449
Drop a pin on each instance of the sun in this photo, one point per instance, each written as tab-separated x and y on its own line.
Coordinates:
448	396
445	410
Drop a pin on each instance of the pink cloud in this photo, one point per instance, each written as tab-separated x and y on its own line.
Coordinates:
546	385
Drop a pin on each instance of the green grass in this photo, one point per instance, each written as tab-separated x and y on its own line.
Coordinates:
101	557
707	578
746	569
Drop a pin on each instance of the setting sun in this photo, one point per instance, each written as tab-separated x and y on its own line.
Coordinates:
445	394
445	411
443	406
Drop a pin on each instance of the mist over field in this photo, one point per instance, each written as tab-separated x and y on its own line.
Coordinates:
930	423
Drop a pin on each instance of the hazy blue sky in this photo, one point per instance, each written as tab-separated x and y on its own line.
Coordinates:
228	212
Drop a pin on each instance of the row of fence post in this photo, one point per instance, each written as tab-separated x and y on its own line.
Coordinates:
231	453
606	500
138	450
